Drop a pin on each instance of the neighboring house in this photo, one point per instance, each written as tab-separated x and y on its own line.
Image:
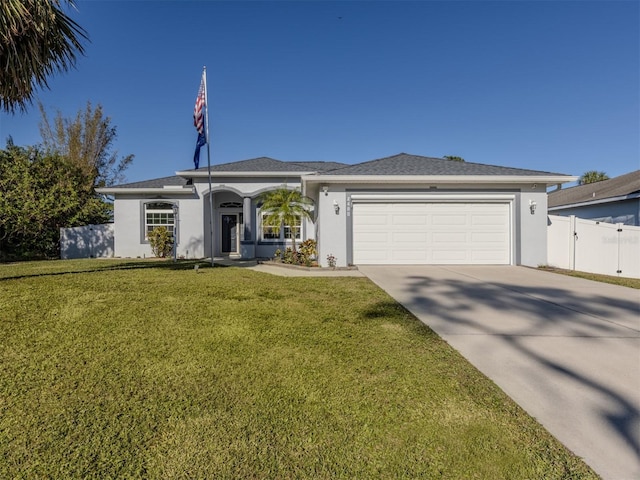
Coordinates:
403	209
616	200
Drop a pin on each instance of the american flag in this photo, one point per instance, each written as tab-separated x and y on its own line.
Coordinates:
198	120
198	111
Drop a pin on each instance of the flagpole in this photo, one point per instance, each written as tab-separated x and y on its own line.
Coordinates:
206	124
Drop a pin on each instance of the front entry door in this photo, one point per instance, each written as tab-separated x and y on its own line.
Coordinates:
230	233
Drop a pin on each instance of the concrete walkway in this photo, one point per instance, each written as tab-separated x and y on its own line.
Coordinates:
285	270
566	349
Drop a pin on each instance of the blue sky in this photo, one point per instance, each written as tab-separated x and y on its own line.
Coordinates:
544	85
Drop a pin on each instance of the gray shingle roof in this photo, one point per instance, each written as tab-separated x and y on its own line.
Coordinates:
406	164
401	164
266	164
157	183
322	166
615	187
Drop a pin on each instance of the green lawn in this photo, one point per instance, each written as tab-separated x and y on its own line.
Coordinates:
596	277
121	369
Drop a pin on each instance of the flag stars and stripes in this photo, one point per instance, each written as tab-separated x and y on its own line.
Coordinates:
198	111
198	120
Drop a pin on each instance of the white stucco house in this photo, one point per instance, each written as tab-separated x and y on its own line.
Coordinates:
403	209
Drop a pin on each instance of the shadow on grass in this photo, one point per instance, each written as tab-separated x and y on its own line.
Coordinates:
386	309
132	265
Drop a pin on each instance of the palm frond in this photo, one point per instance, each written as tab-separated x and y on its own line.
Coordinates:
286	207
37	39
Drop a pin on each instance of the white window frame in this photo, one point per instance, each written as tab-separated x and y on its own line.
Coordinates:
284	235
298	228
169	222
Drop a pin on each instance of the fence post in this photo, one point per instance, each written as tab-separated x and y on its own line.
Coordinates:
572	242
619	247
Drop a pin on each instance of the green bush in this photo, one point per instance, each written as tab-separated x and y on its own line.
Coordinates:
290	257
307	252
161	242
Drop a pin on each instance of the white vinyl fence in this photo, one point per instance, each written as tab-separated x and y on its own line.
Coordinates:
596	247
91	241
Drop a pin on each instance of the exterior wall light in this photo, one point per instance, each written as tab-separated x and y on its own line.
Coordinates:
336	207
325	189
532	206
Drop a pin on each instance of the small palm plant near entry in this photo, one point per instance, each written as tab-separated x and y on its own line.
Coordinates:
286	207
161	242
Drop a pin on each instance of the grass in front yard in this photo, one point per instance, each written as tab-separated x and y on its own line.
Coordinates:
596	277
161	372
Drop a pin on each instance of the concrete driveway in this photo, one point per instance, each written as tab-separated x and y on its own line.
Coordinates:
566	349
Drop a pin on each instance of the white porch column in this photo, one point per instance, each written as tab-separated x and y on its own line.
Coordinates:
247	244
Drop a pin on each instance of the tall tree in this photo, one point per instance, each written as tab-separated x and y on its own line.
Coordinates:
39	194
592	176
286	207
86	141
454	158
37	39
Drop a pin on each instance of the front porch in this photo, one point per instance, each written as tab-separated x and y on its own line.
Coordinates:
237	231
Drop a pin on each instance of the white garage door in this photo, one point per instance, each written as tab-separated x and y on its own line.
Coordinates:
431	233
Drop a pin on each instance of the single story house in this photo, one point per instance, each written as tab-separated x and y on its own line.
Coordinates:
402	209
616	200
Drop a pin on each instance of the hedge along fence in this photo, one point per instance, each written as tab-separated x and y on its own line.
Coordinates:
589	246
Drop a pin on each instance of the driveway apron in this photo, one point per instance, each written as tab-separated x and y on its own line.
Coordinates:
565	349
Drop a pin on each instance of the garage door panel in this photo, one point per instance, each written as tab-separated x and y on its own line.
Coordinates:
374	237
488	237
447	207
487	220
409	237
489	257
375	257
406	207
404	219
408	257
447	238
431	233
453	219
373	220
450	255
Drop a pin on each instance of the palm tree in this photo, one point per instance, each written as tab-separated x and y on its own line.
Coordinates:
592	176
286	207
36	39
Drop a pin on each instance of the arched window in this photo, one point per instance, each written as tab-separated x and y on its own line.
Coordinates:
158	214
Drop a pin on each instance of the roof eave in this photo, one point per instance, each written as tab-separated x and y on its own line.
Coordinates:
441	179
148	190
595	202
192	174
